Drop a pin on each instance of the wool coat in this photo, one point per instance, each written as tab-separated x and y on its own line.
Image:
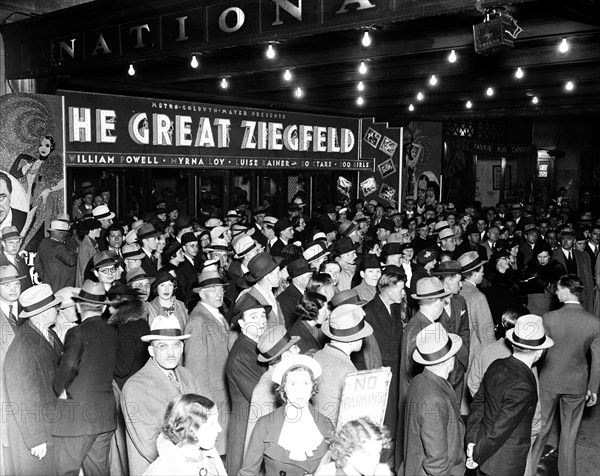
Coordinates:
87	249
264	401
132	352
501	416
263	447
8	335
434	430
243	372
55	264
30	366
144	401
307	341
584	271
189	279
86	373
288	300
205	355
458	323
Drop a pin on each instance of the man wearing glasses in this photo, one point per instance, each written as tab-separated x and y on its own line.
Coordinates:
105	268
143	409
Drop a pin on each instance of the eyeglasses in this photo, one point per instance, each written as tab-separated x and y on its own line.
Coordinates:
141	286
163	346
108	271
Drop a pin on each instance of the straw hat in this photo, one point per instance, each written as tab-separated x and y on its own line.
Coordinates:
529	333
470	261
429	288
101	212
435	345
66	296
165	328
347	323
58	225
36	299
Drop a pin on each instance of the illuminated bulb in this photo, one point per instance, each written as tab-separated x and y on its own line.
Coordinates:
298	92
564	46
360	86
534	100
519	73
287	75
194	62
366	39
362	69
131	70
489	91
433	80
420	96
569	86
224	83
411	108
469	105
270	52
360	101
452	57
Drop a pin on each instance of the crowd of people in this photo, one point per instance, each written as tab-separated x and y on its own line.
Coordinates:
219	345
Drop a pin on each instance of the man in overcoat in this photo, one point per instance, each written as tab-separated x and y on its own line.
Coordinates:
54	263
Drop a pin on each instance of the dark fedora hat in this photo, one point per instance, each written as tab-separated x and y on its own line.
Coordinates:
386	225
350	296
146	231
103	259
327	225
209	279
369	261
188	237
261	265
344	245
171	248
347	227
282	224
246	302
447	268
298	268
89	224
91	292
274	342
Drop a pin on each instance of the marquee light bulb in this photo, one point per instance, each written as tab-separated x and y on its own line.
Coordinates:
299	92
433	80
362	69
420	96
452	57
469	105
360	86
131	70
564	46
270	52
224	83
366	39
287	75
569	86
519	73
194	62
534	100
411	108
360	101
489	91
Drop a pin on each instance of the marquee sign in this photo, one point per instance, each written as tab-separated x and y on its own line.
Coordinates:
103	130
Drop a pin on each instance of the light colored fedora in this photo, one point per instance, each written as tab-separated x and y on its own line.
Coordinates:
430	288
347	323
435	345
165	328
36	300
529	333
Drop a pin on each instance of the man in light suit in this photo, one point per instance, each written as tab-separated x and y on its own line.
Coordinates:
149	391
207	349
564	371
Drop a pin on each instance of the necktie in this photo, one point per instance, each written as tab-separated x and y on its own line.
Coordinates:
55	341
596	250
11	317
173	379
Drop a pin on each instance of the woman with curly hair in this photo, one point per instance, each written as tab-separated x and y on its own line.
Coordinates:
186	444
312	311
291	440
356	449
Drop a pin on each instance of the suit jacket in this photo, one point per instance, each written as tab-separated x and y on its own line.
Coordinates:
144	410
55	264
288	300
565	369
458	323
592	256
488	249
433	445
500	420
263	447
86	373
307	341
87	249
148	266
205	355
189	279
132	352
277	247
243	373
30	366
22	269
584	271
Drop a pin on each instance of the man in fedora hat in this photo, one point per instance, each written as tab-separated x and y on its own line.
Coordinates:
346	328
430	296
11	244
472	242
531	233
30	366
207	349
189	268
105	217
148	237
275	345
54	263
285	232
446	242
499	425
370	272
434	428
105	268
243	372
344	252
83	380
566	378
90	230
299	272
261	278
148	392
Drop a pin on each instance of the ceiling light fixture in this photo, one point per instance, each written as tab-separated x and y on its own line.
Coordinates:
298	92
569	86
489	91
366	39
362	69
433	80
131	70
411	108
564	45
420	96
194	63
287	75
468	104
519	73
452	57
534	100
270	52
224	83
360	86
360	101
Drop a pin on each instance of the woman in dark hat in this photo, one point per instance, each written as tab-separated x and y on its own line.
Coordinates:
165	303
540	277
